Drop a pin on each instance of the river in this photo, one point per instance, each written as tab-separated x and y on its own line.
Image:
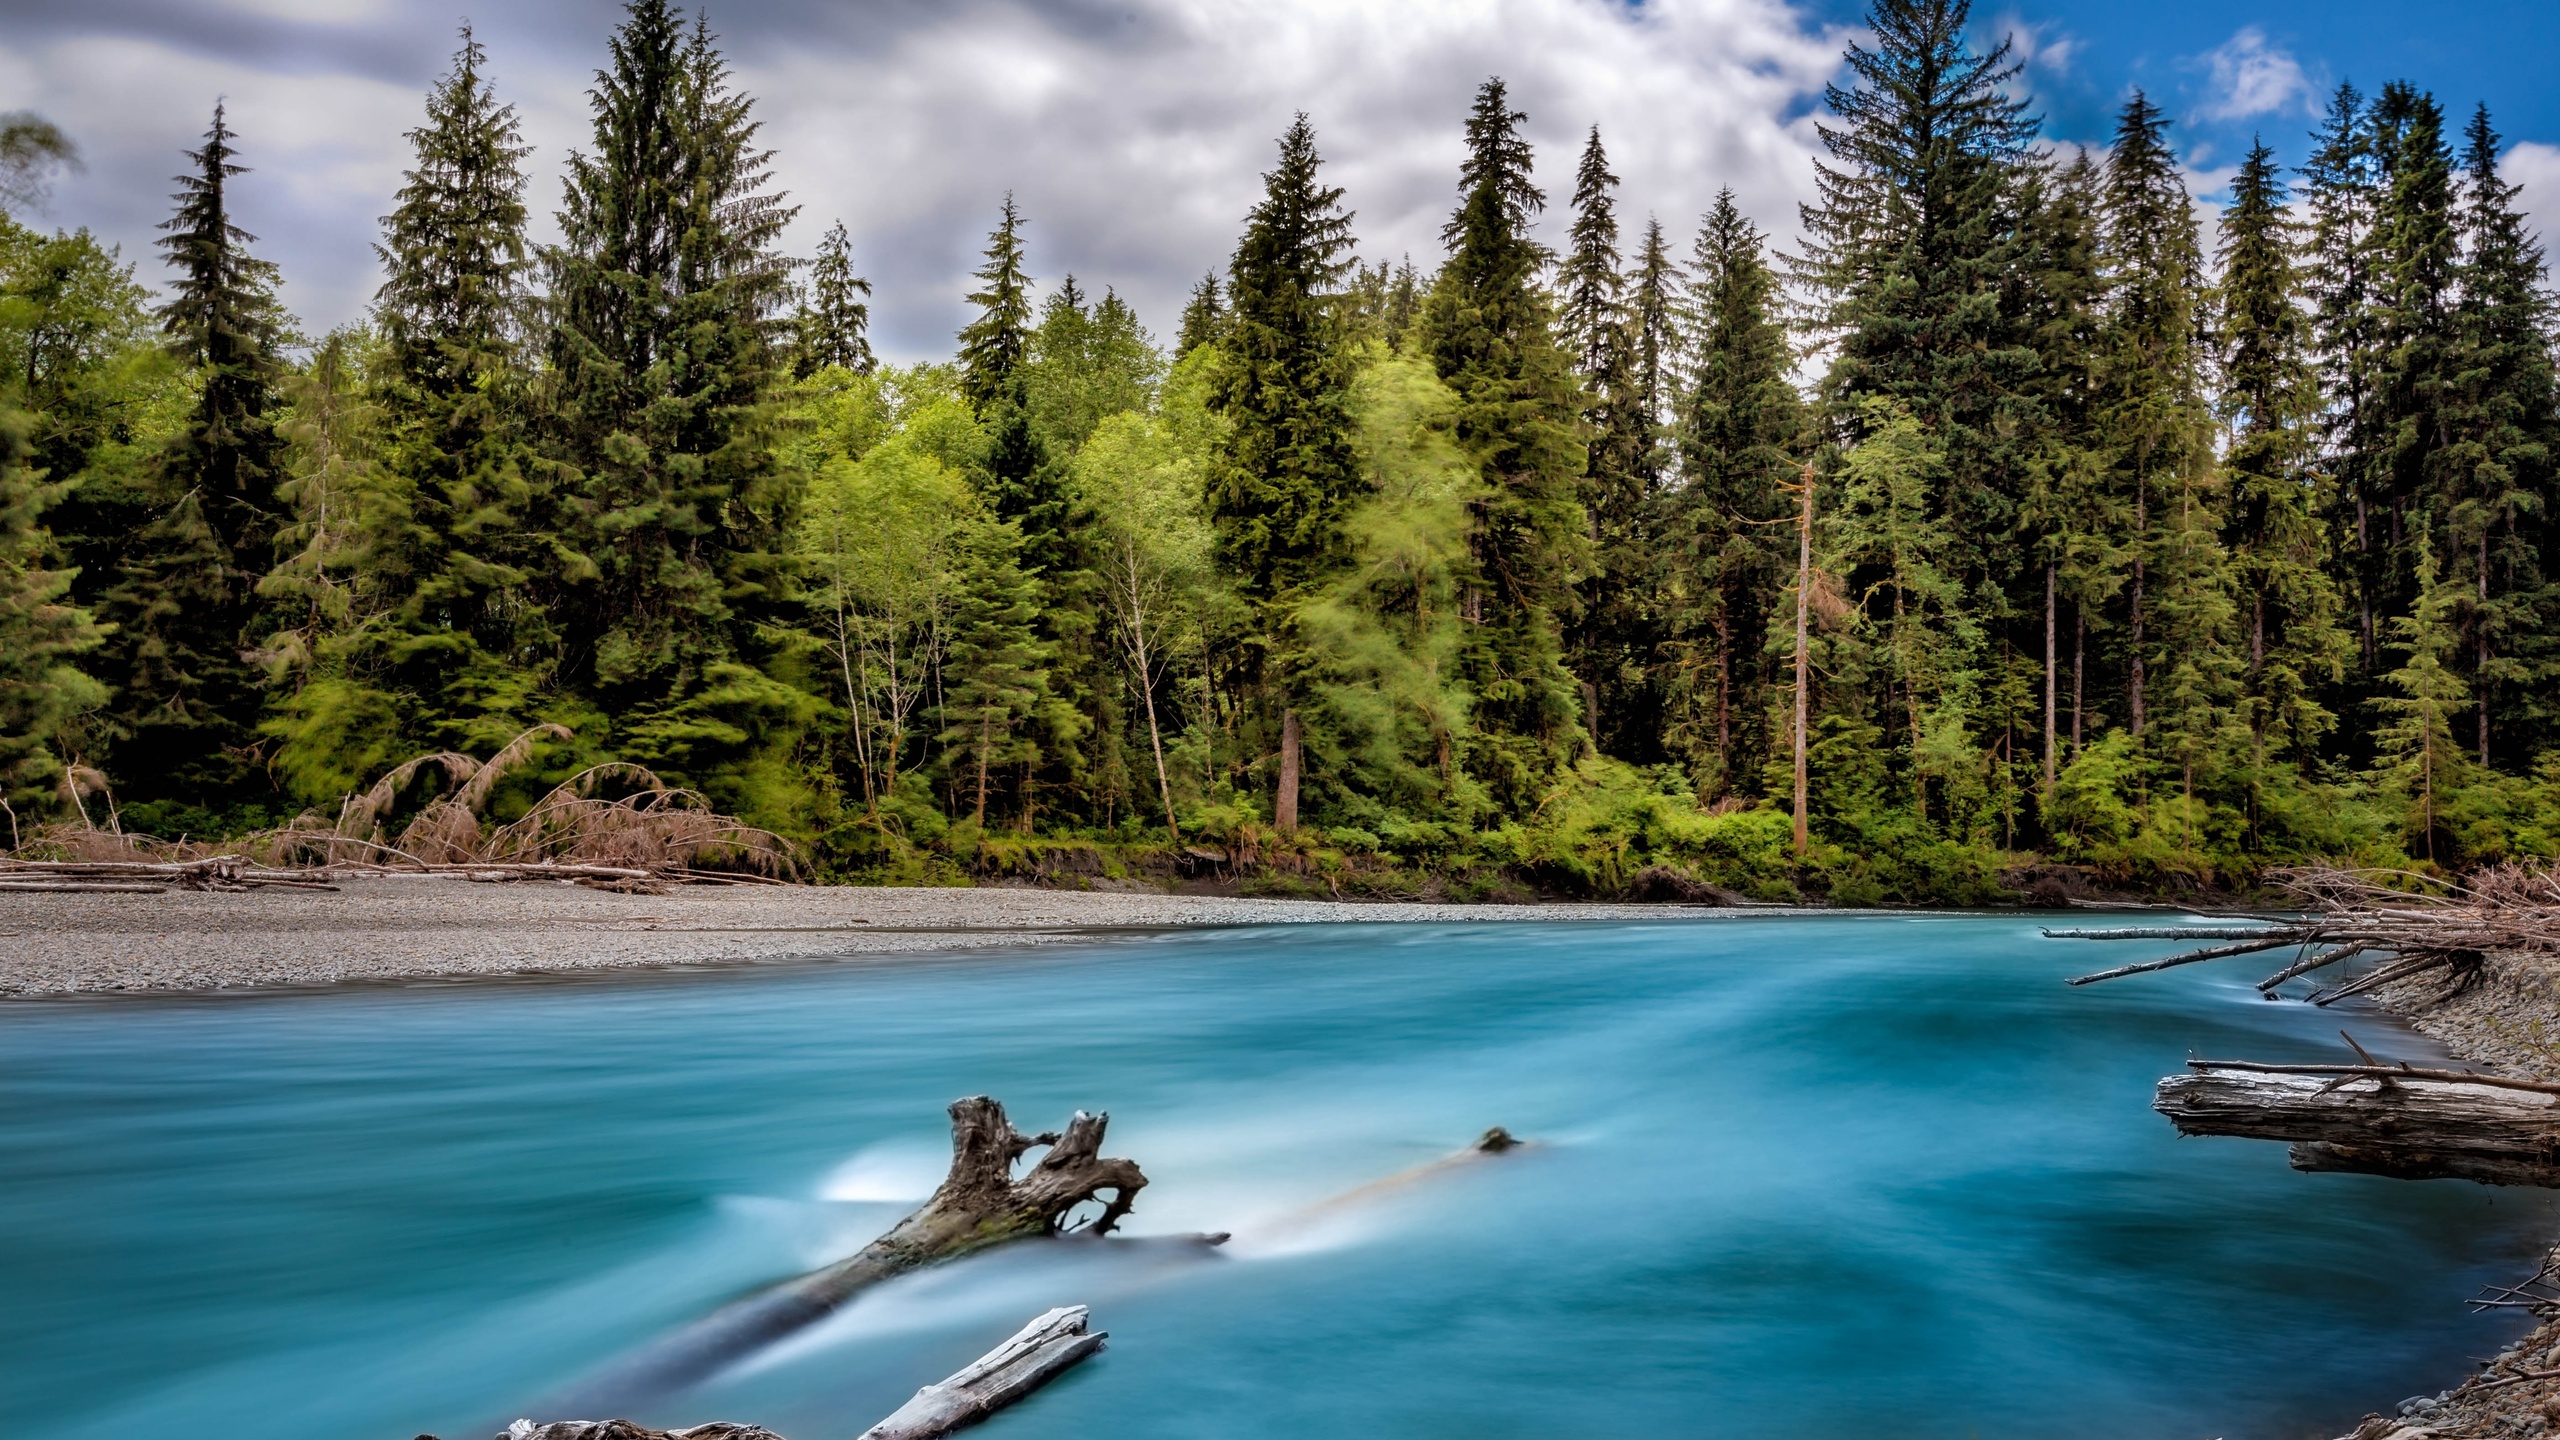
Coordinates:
1791	1177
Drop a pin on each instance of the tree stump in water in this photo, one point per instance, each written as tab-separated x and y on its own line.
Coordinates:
981	1204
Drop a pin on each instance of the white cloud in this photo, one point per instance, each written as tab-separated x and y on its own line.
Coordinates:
2250	77
2028	42
1133	135
2535	168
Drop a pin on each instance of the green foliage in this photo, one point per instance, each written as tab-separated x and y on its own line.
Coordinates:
2101	543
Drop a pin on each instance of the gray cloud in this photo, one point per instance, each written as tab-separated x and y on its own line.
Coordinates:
1132	133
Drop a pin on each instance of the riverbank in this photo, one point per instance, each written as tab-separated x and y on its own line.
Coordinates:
395	929
2509	1021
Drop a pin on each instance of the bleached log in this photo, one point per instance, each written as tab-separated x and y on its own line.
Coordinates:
2378	1121
1037	1354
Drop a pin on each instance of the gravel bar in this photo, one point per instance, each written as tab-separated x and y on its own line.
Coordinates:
410	928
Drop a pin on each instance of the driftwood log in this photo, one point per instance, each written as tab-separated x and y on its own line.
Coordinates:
2378	1120
1038	1353
981	1204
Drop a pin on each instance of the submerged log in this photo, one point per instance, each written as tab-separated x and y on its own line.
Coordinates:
980	1205
1037	1354
2377	1119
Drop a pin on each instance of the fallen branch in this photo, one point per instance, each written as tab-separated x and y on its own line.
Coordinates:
2218	952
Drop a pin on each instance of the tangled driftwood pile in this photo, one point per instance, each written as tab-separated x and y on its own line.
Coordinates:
2346	913
615	826
2370	1116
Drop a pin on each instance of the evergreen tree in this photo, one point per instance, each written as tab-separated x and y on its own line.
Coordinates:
1615	641
445	546
1203	319
1653	347
2417	259
1489	336
2340	185
1286	474
665	354
2416	754
1914	257
998	677
2498	468
2151	404
1909	248
1588	312
2068	514
185	603
1739	429
2269	406
995	344
833	327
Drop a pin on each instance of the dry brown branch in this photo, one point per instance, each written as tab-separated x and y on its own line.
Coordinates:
616	826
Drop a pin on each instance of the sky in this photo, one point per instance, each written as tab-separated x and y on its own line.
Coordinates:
1133	132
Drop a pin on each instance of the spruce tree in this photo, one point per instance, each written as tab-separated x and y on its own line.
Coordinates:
1588	309
1741	426
995	344
2416	754
1286	473
2269	407
1615	639
1914	258
665	354
833	327
449	557
2340	192
1909	248
185	604
1204	318
1488	332
1653	346
2498	469
2417	261
2151	405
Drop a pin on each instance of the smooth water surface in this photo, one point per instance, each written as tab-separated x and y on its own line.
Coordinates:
1793	1177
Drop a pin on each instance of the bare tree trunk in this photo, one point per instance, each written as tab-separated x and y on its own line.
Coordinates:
2079	651
982	770
1724	690
1155	736
1284	805
2051	598
2133	676
1804	612
2480	674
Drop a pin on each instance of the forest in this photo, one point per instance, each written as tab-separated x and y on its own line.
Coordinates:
2010	519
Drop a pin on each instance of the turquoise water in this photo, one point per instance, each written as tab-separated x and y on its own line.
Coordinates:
1795	1177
